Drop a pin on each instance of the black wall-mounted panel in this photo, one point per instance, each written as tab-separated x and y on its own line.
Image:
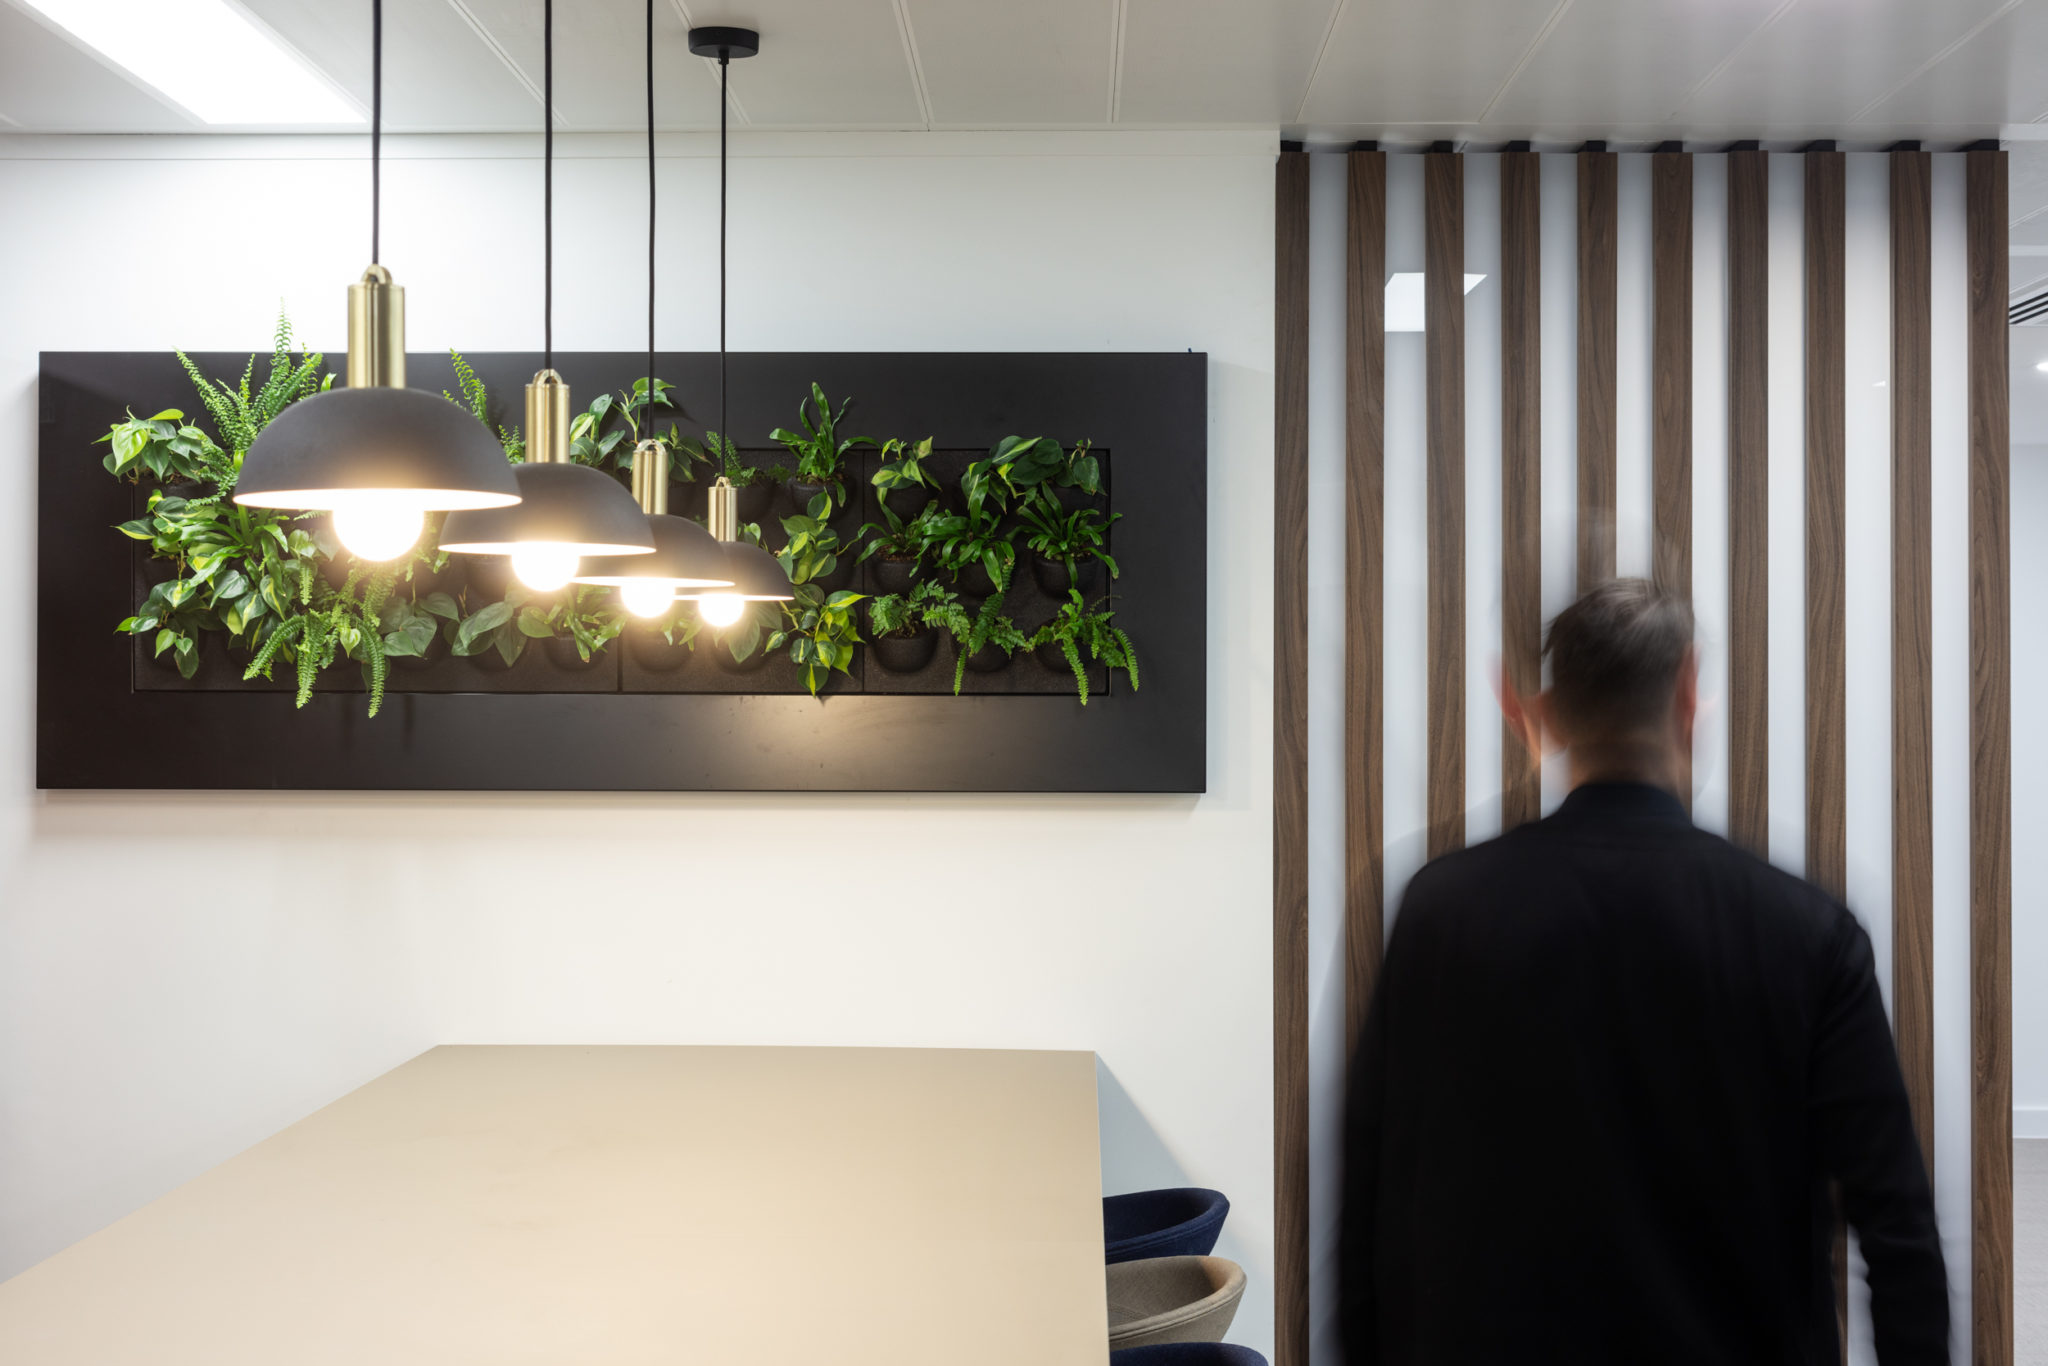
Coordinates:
97	729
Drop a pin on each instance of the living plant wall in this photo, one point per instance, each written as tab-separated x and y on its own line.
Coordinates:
914	568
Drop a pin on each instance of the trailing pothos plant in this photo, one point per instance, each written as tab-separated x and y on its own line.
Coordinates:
903	467
1077	627
253	574
581	613
819	449
819	628
605	433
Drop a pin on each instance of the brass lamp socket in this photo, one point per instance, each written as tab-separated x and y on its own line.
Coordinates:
376	332
724	518
547	420
650	477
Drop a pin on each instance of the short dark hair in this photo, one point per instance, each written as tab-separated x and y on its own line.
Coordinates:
1615	656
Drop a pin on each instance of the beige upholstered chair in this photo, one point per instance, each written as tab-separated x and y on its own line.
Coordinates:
1172	1299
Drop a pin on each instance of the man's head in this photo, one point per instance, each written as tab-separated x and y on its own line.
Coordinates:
1623	686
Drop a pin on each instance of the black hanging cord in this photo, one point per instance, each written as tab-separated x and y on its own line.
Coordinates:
650	212
547	49
724	103
376	117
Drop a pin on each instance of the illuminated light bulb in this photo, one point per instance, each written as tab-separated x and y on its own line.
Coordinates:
544	566
378	531
647	597
721	609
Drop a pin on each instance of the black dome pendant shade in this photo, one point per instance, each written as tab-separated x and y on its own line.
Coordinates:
756	575
376	445
578	508
394	446
684	556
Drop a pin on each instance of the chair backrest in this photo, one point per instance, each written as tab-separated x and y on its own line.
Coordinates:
1187	1354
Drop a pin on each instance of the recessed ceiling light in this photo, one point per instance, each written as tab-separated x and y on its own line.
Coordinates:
2042	366
206	56
1405	302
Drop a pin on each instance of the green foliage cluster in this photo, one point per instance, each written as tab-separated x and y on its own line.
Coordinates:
1079	627
282	591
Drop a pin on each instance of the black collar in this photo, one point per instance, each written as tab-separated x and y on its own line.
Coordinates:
1623	801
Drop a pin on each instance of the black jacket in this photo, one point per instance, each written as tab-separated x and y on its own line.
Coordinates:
1610	1069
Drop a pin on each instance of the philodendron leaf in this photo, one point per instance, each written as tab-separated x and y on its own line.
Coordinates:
187	654
534	622
511	645
441	605
469	635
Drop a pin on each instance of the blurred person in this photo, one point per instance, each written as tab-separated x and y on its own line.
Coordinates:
1613	1064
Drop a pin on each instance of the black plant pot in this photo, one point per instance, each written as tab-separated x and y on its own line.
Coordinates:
486	578
987	660
893	576
753	663
489	661
754	501
564	654
908	501
1053	658
686	498
1073	500
436	651
974	582
904	654
840	577
800	492
650	651
1054	580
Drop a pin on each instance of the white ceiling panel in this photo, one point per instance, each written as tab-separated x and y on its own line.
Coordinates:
438	76
48	83
1003	62
1627	61
1420	61
600	62
1217	61
1824	61
1998	76
829	63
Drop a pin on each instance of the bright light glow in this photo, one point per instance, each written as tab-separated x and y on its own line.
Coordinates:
373	532
1405	301
721	609
647	597
544	566
206	56
2042	366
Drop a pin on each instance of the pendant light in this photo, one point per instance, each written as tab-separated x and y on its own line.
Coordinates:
685	555
566	511
378	455
755	574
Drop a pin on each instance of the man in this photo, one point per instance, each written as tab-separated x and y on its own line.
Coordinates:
1613	1065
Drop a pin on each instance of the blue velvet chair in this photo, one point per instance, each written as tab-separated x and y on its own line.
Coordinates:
1181	1222
1187	1354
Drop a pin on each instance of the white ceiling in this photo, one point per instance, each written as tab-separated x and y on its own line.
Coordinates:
1332	70
1406	72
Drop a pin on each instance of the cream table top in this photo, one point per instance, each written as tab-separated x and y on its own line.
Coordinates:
614	1205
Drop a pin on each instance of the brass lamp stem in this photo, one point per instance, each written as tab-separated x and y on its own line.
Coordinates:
724	508
547	420
650	477
376	332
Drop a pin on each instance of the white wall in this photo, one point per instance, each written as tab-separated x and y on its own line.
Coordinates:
182	974
2029	789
